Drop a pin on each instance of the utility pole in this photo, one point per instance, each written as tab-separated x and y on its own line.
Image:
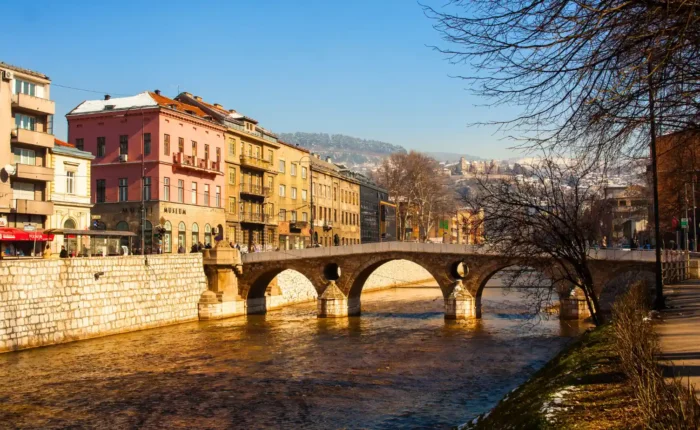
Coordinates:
695	222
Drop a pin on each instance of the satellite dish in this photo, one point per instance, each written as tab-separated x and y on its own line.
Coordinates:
10	169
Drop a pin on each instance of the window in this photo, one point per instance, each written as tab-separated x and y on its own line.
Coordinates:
194	148
146	143
218	155
193	193
168	237
206	194
123	190
101	187
294	193
217	197
283	215
166	144
181	236
101	146
80	143
313	189
304	216
303	195
283	190
335	194
335	215
180	144
269	155
282	166
195	234
303	173
25	87
294	216
147	188
231	175
232	204
270	184
231	147
123	144
166	189
206	151
180	191
70	182
25	121
293	169
22	190
207	234
24	156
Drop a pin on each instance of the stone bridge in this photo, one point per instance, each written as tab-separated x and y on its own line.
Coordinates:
238	285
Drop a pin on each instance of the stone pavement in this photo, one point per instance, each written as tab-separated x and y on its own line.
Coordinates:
679	333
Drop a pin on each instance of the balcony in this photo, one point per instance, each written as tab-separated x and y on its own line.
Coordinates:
33	207
255	190
35	173
36	105
253	217
29	137
190	162
255	163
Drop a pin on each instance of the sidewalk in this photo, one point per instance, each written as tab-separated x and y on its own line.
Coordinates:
679	333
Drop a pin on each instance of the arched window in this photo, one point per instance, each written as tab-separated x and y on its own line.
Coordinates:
70	242
121	226
70	223
219	233
207	234
195	234
181	236
168	238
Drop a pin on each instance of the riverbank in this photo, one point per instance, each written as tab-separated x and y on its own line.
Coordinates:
582	387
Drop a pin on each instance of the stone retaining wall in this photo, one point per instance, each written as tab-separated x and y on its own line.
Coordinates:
296	288
44	302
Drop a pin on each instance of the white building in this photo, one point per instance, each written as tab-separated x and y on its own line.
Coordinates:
70	193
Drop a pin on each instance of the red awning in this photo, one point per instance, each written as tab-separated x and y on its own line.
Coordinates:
15	234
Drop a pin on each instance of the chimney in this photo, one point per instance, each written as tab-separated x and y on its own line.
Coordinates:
107	97
157	92
199	99
329	160
218	105
232	110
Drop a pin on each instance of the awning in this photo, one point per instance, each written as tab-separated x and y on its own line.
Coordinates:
91	233
15	234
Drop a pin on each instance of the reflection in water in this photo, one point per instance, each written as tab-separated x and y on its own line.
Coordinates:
398	365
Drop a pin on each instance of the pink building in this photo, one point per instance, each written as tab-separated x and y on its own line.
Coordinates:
178	147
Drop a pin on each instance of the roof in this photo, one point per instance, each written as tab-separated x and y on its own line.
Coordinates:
68	149
179	106
23	70
291	145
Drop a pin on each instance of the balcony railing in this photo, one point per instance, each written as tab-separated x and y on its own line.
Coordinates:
34	104
31	137
245	130
36	173
258	163
33	207
256	190
253	217
198	164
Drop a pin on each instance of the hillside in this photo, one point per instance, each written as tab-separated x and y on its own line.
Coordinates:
356	153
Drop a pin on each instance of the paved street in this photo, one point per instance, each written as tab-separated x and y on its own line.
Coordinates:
680	331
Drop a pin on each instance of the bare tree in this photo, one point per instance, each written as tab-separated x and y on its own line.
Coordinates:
543	221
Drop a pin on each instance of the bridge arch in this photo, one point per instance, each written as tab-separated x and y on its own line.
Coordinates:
618	282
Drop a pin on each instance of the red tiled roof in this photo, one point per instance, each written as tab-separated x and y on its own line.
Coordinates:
170	103
62	143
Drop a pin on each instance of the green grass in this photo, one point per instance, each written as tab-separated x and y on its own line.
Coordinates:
597	397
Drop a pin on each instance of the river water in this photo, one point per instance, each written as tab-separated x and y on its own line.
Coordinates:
399	365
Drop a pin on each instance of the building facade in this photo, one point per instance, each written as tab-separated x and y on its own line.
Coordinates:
158	168
26	138
372	198
336	204
70	194
251	176
293	197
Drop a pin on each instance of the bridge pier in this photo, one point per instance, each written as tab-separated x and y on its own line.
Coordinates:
573	308
221	300
461	305
334	304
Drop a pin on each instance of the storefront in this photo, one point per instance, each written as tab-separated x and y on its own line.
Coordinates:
16	243
95	242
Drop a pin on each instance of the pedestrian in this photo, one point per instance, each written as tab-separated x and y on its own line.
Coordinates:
180	249
63	253
47	252
194	248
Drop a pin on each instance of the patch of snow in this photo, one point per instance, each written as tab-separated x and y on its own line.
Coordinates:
143	99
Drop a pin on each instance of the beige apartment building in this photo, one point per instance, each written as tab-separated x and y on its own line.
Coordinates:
251	210
293	196
336	205
26	137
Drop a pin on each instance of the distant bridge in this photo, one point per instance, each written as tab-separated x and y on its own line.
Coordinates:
339	274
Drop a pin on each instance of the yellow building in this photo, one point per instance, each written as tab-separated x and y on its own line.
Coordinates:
293	198
336	204
251	212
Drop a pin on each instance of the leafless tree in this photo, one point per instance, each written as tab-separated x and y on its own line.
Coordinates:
543	221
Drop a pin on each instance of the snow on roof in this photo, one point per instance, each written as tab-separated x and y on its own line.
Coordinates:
143	99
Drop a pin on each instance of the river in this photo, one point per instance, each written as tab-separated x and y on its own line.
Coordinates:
399	365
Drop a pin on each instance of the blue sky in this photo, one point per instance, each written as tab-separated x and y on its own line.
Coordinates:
360	67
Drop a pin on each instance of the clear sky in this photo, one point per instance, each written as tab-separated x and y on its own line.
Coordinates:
361	67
